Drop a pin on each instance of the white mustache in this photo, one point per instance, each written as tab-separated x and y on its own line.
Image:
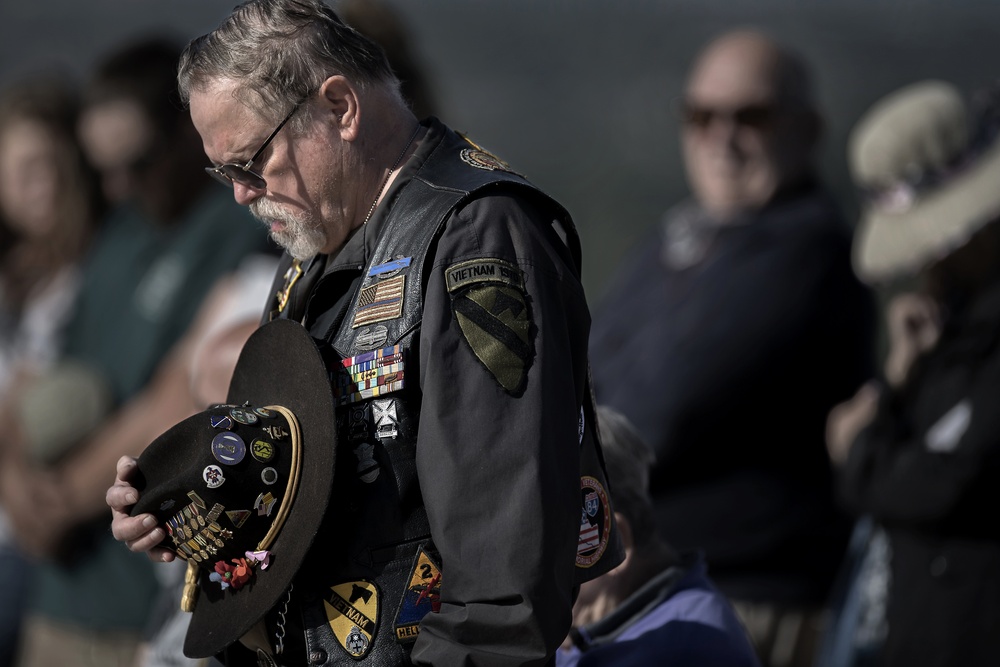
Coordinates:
265	210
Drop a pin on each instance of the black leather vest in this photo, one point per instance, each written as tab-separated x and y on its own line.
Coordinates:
375	543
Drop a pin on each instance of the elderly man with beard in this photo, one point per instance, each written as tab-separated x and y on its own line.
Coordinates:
467	462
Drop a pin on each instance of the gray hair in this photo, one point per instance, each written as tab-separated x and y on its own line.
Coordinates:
628	458
281	51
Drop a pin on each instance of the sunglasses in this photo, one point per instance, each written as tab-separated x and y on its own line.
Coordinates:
753	116
234	172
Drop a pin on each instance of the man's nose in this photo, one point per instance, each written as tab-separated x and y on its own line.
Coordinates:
723	128
245	194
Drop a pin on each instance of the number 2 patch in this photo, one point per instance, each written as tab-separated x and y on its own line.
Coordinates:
488	300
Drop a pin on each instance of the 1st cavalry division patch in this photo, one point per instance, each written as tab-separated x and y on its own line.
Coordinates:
352	611
487	297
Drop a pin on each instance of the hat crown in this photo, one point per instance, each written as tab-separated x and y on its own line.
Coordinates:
918	129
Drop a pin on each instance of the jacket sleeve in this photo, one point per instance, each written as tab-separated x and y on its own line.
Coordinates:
498	461
927	476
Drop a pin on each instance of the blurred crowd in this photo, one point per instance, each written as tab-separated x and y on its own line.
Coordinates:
796	407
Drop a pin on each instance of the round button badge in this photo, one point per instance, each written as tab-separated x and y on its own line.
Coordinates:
228	448
243	415
262	450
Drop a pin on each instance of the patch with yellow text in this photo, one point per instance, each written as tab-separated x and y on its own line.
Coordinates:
352	610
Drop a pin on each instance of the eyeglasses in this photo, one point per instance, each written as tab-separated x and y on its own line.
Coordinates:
234	172
753	116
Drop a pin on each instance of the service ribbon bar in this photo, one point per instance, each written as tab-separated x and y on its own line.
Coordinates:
369	375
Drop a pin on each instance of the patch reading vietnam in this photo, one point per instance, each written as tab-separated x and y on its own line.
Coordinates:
422	595
487	297
595	523
352	611
484	270
379	302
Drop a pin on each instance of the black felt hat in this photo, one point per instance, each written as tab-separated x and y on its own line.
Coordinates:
251	476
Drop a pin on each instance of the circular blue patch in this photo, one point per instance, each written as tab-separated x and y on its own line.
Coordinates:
228	448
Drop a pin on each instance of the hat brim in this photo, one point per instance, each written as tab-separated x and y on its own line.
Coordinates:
889	245
279	365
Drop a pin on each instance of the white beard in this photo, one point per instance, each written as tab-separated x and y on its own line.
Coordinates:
301	237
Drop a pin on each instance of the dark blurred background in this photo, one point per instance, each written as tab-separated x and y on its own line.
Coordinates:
577	94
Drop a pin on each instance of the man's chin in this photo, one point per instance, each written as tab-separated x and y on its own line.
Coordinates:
299	248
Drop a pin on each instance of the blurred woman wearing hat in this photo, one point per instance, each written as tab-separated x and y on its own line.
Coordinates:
919	450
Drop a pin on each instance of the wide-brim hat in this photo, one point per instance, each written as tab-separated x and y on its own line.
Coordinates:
254	475
930	187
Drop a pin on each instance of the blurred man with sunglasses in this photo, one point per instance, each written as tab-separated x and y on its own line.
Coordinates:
470	498
730	334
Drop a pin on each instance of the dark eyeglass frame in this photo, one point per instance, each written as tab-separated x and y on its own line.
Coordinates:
754	116
234	172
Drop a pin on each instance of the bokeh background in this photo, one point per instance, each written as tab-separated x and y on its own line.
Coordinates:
577	94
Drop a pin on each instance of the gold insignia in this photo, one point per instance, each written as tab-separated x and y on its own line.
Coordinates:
480	158
352	611
292	276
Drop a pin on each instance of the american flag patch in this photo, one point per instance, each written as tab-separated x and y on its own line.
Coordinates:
369	375
379	302
590	537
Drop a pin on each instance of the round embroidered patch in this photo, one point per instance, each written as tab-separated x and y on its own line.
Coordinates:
595	522
483	160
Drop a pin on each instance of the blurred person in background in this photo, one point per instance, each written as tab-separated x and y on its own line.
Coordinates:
919	449
730	333
659	606
49	205
382	24
157	256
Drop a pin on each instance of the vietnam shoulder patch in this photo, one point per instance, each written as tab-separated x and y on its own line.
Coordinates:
489	302
352	610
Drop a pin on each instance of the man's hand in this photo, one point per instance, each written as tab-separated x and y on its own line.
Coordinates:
36	504
847	419
914	326
139	533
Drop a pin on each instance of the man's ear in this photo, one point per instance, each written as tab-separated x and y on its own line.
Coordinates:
338	99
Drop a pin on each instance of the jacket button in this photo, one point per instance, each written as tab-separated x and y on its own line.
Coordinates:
317	657
939	566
